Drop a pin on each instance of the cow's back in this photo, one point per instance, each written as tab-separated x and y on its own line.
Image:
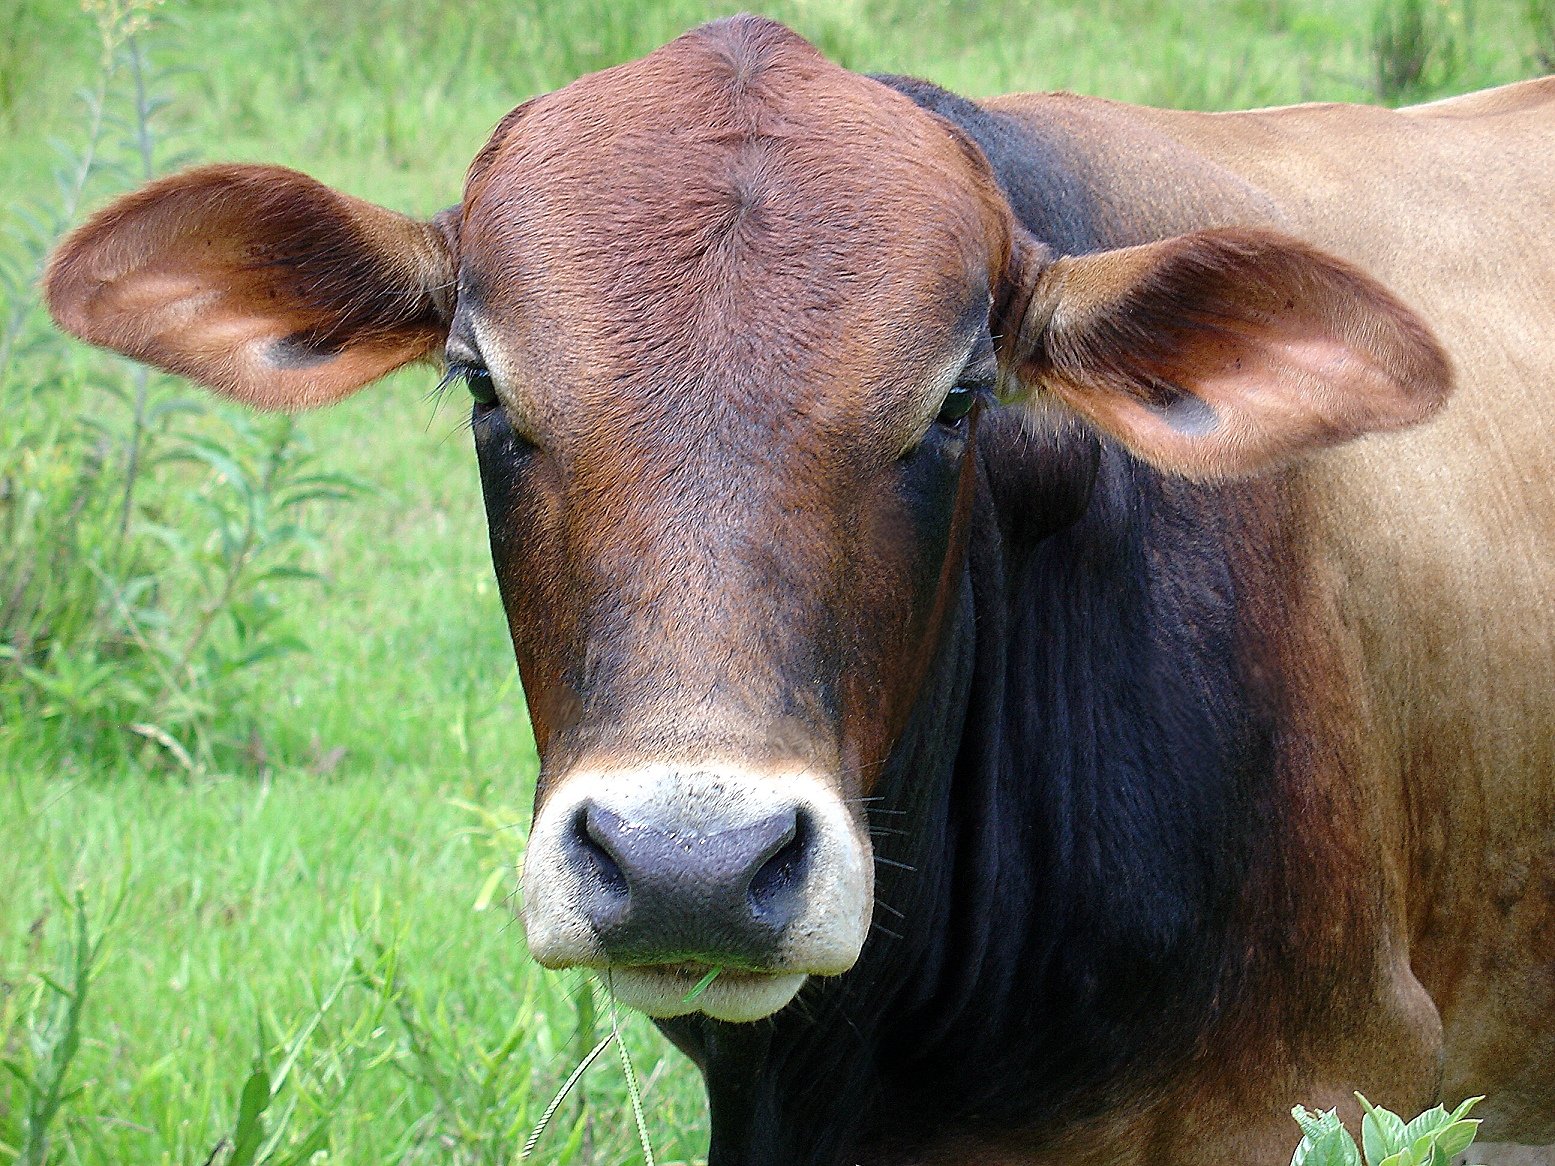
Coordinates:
1430	554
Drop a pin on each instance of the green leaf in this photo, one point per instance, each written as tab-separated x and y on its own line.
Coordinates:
1464	1106
1426	1124
15	1069
288	573
297	497
494	881
271	650
315	1140
173	407
1340	1147
1328	1142
1382	1132
573	1146
1311	1123
1456	1138
251	1107
216	460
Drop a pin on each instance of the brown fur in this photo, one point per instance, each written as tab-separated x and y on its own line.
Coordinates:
1286	349
1424	576
256	281
760	317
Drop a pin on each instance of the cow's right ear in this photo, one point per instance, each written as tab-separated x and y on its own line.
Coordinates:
257	282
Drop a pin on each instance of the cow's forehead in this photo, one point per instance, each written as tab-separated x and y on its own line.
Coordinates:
730	197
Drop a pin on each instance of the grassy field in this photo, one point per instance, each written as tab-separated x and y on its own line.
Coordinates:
323	888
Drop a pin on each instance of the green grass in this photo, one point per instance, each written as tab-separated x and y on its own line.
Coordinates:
340	854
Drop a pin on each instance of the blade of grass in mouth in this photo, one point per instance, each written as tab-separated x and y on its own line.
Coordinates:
702	985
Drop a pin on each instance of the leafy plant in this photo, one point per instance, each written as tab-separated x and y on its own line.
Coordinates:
52	1027
1541	19
147	534
263	1133
1417	46
1434	1138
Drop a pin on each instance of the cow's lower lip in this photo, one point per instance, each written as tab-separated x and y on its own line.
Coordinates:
662	990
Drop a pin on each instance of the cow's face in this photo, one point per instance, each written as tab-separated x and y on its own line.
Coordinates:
729	316
730	354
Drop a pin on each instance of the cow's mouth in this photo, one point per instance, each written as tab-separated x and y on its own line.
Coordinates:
664	990
661	872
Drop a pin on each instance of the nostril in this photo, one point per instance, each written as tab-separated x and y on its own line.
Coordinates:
591	836
778	878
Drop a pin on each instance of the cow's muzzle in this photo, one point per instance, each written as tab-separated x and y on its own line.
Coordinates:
662	874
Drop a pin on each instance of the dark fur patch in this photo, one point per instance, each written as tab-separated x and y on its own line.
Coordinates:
1031	167
300	350
1187	414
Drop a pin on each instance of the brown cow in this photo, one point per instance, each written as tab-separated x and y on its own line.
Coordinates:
1082	779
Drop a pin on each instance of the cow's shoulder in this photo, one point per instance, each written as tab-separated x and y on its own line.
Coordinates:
1522	97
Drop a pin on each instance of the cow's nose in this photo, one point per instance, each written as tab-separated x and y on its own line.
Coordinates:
661	892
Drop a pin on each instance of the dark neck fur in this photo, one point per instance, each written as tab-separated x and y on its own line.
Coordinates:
1079	787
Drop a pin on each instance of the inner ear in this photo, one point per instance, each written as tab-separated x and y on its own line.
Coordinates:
257	282
1226	352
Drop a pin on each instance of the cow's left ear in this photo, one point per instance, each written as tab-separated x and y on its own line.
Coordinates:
1224	352
258	282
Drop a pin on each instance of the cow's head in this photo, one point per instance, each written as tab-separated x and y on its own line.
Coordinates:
730	315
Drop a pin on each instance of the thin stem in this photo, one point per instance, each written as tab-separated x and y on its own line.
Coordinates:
584	1038
142	110
229	586
238	564
97	106
141	376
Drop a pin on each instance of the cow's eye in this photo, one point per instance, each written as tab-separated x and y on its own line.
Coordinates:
958	403
476	378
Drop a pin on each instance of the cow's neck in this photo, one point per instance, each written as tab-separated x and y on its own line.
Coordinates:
1079	791
1063	836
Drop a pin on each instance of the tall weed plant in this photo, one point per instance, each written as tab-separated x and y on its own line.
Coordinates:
1541	21
1419	47
148	536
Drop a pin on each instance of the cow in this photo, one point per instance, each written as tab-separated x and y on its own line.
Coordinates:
1052	601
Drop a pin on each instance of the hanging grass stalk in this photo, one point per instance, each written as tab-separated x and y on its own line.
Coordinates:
567	1086
631	1079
